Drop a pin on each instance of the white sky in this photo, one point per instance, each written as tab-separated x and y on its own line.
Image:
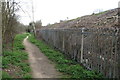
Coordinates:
51	11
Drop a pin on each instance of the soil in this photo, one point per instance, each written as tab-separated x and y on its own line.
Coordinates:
41	66
107	18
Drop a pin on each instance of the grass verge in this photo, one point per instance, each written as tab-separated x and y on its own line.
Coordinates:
15	63
64	65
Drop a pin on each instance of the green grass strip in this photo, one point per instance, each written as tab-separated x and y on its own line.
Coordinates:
66	66
17	58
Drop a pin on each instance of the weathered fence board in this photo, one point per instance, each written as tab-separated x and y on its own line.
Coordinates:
96	48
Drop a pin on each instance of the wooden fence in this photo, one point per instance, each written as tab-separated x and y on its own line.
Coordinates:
96	48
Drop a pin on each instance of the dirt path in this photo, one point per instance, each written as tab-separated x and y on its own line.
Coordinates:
41	66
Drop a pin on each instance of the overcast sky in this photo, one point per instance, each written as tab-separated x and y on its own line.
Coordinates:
51	11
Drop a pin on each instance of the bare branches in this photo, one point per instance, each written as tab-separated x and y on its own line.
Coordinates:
9	21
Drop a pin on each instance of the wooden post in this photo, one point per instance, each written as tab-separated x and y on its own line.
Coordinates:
82	44
63	44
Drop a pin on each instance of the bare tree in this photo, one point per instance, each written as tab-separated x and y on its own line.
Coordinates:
38	24
9	22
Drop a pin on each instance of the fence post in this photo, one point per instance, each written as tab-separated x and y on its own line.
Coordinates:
118	40
118	52
82	44
63	42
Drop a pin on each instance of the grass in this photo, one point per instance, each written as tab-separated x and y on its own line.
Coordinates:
100	13
16	60
68	67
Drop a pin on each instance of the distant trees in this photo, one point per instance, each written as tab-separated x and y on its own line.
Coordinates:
61	21
20	28
48	24
38	24
32	25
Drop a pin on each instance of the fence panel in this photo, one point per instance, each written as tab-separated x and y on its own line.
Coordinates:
96	48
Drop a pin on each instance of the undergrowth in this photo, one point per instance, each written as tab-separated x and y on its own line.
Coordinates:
15	63
68	67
